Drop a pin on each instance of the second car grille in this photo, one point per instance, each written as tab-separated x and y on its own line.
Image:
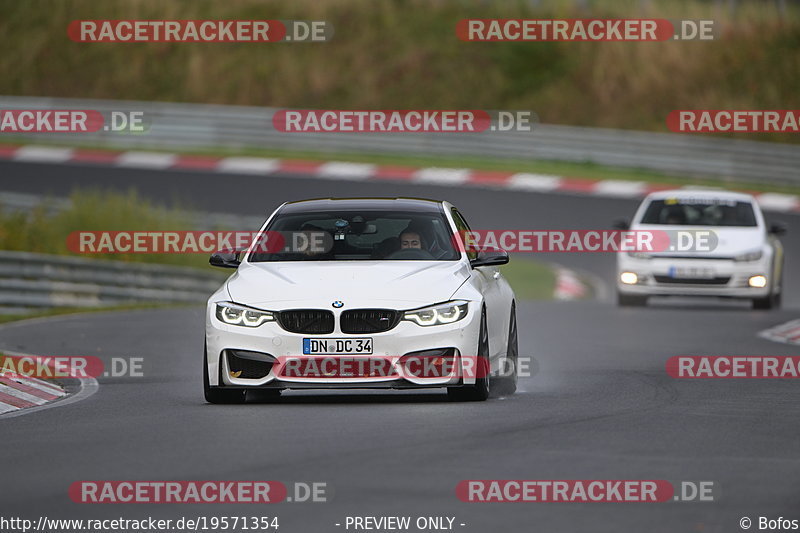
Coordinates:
306	321
719	280
368	320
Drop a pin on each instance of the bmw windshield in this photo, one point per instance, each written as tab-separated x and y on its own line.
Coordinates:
359	235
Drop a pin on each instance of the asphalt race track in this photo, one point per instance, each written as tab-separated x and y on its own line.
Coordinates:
599	406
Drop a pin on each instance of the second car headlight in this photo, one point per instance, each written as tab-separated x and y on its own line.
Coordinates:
239	315
749	256
439	314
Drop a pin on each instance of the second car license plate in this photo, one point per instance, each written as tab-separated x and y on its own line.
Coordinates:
691	272
337	346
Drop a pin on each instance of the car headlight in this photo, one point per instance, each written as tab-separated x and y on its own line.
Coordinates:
749	256
239	315
436	315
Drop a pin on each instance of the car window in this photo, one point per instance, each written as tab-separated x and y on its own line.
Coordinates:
699	212
462	226
361	235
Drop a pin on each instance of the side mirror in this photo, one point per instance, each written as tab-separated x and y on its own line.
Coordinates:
489	258
621	223
778	228
224	260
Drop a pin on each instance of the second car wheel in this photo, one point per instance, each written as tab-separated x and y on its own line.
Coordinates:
631	300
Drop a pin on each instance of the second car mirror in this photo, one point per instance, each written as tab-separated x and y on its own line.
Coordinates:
621	223
777	228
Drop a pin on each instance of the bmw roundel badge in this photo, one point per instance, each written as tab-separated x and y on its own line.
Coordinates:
337	304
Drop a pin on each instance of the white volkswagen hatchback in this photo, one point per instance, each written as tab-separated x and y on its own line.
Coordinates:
361	293
740	257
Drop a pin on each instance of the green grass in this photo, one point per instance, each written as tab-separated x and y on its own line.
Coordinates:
43	231
529	279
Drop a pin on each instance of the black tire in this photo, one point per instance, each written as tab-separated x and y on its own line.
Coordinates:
631	300
478	392
767	302
777	298
506	384
217	394
774	299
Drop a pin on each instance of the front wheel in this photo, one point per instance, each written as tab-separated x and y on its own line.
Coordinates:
480	390
216	394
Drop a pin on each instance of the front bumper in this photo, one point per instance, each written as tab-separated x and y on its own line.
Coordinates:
271	343
656	276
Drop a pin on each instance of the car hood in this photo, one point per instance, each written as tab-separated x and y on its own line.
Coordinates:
281	285
730	241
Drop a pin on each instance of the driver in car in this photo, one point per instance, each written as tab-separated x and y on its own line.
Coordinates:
410	240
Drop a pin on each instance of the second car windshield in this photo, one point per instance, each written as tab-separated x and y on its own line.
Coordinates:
360	236
699	212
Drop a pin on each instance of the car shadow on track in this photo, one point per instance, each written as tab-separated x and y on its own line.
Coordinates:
698	303
347	397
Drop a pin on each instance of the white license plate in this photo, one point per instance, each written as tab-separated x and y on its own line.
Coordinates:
356	346
691	272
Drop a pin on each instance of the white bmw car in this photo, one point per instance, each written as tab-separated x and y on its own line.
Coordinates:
361	293
719	246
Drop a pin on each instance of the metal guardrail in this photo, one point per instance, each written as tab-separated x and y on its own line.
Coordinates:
29	280
198	126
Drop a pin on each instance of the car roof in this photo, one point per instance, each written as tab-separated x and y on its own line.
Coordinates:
701	193
421	205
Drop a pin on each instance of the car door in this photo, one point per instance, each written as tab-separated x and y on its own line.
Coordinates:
489	279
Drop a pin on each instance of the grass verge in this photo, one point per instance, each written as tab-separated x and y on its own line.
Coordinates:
529	279
44	230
